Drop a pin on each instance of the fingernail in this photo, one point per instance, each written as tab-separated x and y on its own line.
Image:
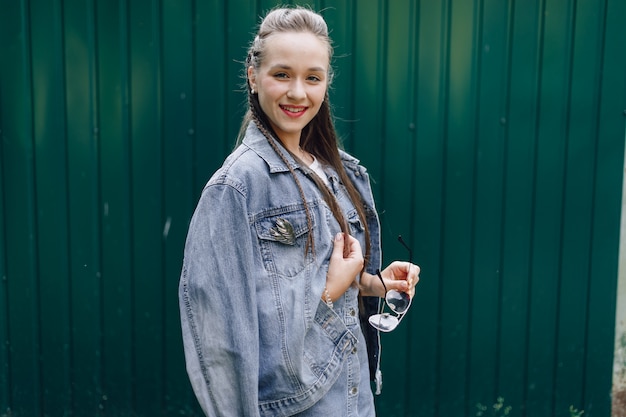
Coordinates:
338	237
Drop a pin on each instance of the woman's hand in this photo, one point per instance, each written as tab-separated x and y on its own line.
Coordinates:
399	275
346	262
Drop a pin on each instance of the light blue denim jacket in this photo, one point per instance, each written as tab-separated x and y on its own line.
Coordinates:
259	340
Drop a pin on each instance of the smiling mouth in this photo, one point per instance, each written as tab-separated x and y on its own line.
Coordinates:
293	110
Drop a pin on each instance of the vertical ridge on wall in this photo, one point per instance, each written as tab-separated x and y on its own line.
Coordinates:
534	113
512	359
546	271
179	134
411	233
429	164
577	207
242	19
146	162
368	91
338	16
459	177
83	192
21	280
507	32
114	128
486	285
52	210
5	367
607	205
396	160
5	363
211	67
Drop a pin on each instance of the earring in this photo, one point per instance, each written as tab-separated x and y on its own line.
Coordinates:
252	90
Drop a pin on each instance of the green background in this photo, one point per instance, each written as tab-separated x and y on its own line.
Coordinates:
493	131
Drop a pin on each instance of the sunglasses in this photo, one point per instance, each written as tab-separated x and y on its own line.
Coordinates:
399	302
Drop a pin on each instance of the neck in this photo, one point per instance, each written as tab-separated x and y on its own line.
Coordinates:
305	156
293	146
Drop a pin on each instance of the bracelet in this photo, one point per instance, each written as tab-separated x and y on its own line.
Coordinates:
329	301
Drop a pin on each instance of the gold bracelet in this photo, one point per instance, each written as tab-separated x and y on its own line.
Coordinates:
329	301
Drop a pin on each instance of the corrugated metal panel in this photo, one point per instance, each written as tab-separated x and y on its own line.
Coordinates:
494	132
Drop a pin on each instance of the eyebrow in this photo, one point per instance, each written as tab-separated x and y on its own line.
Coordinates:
287	67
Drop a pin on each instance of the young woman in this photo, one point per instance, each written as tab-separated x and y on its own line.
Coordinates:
278	277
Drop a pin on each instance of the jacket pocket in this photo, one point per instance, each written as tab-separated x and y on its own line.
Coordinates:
326	343
283	236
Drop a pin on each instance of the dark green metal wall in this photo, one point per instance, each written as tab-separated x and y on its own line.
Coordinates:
494	132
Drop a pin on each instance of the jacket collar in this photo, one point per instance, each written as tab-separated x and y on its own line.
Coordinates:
256	141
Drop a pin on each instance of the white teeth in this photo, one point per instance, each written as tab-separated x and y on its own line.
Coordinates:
293	110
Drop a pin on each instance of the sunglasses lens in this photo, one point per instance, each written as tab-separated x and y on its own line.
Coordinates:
398	301
384	322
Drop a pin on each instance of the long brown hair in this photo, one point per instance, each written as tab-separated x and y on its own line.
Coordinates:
319	137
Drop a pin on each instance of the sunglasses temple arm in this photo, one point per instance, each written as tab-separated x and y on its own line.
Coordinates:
381	280
407	248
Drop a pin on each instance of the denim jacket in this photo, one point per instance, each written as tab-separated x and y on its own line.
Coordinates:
258	339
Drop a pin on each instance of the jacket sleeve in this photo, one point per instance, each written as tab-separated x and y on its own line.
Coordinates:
217	296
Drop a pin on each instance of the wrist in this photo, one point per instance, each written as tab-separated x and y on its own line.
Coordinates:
327	298
336	286
370	285
330	290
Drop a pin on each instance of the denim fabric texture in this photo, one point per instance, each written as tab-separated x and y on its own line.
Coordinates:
258	339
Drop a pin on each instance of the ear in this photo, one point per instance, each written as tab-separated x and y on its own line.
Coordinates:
252	77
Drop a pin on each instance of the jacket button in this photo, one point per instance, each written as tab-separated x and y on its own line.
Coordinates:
352	312
354	390
354	349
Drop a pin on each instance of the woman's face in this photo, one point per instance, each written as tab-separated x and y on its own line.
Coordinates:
291	82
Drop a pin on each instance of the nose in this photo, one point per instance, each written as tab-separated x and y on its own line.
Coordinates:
296	90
